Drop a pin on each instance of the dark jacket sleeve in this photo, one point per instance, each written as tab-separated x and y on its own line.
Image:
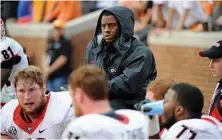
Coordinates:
134	76
88	55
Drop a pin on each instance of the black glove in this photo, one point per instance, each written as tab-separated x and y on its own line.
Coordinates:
8	64
138	106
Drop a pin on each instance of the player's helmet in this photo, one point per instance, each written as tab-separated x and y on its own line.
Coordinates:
2	28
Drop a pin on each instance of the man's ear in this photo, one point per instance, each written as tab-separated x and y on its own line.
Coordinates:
44	88
179	111
79	95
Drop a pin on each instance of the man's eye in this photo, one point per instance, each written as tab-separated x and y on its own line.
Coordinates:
32	89
112	25
21	90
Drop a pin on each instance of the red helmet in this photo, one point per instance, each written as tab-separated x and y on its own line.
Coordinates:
2	28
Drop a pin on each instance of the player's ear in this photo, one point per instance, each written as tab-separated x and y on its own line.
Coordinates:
44	88
79	95
179	111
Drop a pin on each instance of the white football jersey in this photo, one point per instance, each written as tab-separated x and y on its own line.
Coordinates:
120	124
205	128
50	125
9	48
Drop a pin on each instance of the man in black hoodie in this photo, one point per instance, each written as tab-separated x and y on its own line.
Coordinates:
128	63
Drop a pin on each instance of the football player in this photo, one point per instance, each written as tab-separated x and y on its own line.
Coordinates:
12	58
183	104
88	88
35	115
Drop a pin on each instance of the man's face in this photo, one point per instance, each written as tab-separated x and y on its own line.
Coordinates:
216	67
169	118
110	28
76	102
30	96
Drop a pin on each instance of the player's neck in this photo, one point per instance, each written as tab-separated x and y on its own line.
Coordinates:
98	107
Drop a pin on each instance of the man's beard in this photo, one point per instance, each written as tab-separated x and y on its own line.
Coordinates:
38	110
171	121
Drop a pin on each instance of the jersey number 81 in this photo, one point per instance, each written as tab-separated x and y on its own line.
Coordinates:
7	54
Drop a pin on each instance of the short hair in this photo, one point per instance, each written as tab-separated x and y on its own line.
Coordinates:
159	87
31	72
190	97
92	80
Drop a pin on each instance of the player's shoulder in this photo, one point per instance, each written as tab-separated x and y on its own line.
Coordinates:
132	114
87	119
10	105
129	111
91	121
61	101
57	110
9	42
94	126
8	109
63	97
199	123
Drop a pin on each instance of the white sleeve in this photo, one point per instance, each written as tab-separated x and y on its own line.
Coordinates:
180	132
2	120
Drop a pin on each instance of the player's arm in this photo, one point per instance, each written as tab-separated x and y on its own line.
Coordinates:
5	73
6	67
3	136
2	122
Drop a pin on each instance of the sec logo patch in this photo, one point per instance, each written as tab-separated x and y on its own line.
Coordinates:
12	130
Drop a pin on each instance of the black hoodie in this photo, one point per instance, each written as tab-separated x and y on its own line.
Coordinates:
130	69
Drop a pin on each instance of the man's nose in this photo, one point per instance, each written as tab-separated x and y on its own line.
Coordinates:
27	95
107	29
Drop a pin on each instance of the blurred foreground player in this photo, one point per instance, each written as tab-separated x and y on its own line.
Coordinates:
96	119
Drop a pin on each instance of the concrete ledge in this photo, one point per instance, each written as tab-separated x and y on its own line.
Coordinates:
183	38
73	27
29	30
